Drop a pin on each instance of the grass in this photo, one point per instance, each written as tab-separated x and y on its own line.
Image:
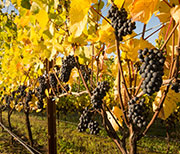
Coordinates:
69	140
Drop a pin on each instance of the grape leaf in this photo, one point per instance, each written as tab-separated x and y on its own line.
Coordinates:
26	4
130	48
59	61
42	18
142	10
118	113
164	10
119	3
106	35
35	8
175	13
112	121
169	105
79	15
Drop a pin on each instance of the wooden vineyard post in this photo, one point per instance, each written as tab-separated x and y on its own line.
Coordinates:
51	115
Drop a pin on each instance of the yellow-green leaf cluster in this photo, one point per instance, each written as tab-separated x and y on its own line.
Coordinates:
169	105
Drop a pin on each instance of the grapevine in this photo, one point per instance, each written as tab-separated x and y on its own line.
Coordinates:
50	57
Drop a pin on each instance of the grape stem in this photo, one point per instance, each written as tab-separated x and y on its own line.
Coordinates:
172	31
73	93
167	3
120	74
27	74
171	19
135	80
51	85
138	88
59	82
154	32
84	82
177	54
92	60
59	27
144	30
97	61
129	72
140	94
167	82
100	15
172	56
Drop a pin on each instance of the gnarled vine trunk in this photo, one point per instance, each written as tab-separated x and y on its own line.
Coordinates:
132	140
28	125
10	111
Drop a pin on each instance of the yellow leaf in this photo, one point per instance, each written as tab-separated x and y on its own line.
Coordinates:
112	121
169	105
79	15
42	18
34	8
119	3
59	61
47	93
73	77
38	110
142	10
12	104
19	107
53	53
118	113
78	39
164	10
51	29
39	72
131	47
162	34
106	35
24	20
81	60
175	13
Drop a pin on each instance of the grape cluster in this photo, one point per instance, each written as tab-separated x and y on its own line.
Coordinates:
99	93
87	122
136	112
84	120
67	65
40	90
151	69
40	105
22	91
120	23
13	93
52	80
93	127
176	86
42	80
7	100
28	98
85	72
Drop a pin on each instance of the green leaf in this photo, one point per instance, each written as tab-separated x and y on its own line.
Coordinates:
47	33
26	4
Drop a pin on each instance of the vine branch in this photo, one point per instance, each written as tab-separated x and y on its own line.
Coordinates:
172	31
120	74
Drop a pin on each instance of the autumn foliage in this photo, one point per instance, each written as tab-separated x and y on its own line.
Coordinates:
50	31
